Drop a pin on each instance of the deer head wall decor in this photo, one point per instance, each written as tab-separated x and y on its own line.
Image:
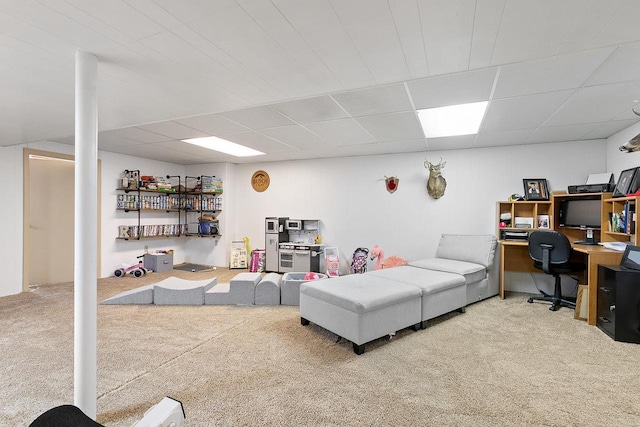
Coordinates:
436	184
634	143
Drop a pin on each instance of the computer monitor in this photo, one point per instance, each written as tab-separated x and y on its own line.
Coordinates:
580	213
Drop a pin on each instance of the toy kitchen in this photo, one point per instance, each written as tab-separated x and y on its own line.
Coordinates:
293	245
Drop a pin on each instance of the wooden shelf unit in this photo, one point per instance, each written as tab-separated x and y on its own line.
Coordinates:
527	209
617	205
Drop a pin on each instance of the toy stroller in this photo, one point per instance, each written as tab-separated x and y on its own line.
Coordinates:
359	260
332	261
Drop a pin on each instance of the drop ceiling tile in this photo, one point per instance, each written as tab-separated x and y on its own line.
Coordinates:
257	118
341	132
523	112
501	138
447	27
560	133
109	139
137	134
309	110
320	27
596	104
623	65
295	136
392	127
112	18
549	74
173	130
409	146
409	27
461	88
451	142
377	100
371	28
258	142
605	130
194	9
486	24
530	31
153	152
212	124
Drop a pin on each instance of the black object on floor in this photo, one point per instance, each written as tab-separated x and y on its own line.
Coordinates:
192	267
64	416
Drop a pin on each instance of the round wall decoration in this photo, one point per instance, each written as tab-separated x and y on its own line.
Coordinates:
260	181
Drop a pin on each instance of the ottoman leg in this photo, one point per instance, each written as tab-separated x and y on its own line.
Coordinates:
417	326
303	321
462	309
358	349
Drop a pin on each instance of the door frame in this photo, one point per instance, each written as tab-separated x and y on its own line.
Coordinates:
26	208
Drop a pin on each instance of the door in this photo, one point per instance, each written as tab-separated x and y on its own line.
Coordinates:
51	223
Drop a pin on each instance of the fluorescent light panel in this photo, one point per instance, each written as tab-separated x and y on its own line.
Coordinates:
224	146
463	119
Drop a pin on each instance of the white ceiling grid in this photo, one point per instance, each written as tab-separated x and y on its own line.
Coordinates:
303	79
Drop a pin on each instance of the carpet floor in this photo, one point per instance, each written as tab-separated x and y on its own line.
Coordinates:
502	363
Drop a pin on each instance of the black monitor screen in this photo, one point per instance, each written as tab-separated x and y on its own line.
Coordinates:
580	213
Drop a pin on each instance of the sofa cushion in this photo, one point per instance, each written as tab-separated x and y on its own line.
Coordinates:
360	293
430	281
477	249
472	272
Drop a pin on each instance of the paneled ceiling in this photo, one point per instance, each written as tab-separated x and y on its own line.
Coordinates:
301	79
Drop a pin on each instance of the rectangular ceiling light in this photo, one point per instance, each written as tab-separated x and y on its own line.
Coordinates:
463	119
224	146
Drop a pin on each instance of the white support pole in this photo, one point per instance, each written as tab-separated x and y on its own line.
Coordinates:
86	232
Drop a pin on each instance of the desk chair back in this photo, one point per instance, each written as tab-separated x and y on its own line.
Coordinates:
549	248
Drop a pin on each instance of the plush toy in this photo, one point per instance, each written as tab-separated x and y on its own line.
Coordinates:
392	261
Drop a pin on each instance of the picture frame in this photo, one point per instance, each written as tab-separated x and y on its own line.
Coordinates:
535	189
626	181
543	221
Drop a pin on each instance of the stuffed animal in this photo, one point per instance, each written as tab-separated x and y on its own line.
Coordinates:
392	261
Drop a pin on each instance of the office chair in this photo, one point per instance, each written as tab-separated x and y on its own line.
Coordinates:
550	251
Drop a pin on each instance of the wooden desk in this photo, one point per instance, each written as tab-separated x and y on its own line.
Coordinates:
514	256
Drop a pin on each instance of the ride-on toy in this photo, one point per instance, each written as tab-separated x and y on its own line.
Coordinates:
136	270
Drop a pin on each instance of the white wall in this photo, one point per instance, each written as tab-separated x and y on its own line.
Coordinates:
347	194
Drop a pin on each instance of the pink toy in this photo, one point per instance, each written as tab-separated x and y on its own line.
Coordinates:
392	261
311	276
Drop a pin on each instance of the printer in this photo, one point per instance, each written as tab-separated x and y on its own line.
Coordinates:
596	183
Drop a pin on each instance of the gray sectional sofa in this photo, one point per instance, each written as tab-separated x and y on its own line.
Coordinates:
364	307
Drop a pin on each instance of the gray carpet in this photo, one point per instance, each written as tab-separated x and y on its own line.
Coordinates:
502	363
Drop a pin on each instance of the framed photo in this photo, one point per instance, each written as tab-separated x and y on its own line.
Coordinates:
543	221
626	182
535	189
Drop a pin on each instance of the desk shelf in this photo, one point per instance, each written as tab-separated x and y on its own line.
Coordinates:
540	212
616	206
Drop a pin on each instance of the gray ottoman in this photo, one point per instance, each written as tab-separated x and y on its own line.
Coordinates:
268	290
239	291
359	307
442	292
